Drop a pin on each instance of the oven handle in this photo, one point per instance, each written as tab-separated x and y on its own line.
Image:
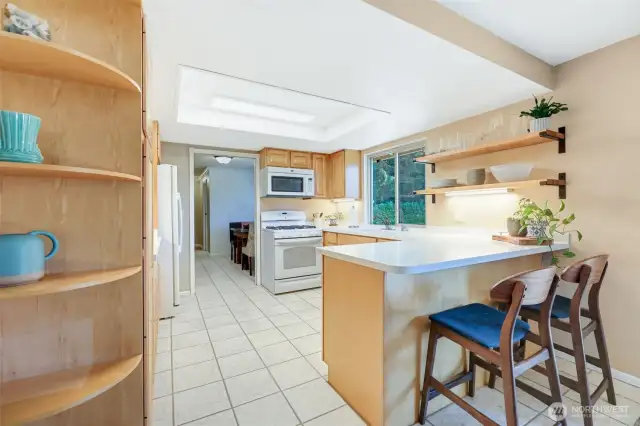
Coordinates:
298	241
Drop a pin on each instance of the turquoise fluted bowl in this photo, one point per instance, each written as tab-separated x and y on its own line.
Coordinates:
19	137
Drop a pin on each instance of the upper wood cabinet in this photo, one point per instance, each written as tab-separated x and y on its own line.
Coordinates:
301	160
275	158
320	174
345	174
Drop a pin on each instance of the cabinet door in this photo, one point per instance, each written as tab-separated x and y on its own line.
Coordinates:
338	178
320	174
301	160
330	238
345	239
278	158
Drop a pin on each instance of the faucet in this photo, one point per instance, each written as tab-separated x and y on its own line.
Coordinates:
403	226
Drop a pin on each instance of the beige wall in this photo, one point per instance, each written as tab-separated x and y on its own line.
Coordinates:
603	148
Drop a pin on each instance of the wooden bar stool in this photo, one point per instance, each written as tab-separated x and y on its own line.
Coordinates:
585	273
489	335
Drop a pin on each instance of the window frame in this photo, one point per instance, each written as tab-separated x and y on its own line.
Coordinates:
394	151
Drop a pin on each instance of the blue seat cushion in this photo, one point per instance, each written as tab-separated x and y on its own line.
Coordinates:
561	307
480	323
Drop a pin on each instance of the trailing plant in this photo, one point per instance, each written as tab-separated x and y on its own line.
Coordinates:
544	108
530	213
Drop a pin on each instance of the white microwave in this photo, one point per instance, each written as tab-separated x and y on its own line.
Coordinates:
285	182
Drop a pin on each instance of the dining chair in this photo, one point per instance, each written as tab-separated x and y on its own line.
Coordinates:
233	226
248	250
490	334
585	273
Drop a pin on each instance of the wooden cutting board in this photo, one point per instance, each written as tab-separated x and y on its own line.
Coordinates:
520	241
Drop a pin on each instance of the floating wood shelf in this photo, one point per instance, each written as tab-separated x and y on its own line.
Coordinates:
48	170
561	183
66	282
532	139
39	397
28	55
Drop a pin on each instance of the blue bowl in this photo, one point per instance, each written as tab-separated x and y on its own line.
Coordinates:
18	137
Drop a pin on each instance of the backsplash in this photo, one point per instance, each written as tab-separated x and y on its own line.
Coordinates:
314	205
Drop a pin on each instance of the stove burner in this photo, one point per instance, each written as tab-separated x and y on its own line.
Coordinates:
288	227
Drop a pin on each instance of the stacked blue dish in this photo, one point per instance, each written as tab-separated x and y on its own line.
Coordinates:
18	137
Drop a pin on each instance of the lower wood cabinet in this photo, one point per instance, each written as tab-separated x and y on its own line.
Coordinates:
346	239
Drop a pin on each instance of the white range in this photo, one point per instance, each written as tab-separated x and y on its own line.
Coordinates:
290	261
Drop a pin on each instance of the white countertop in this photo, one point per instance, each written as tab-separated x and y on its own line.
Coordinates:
428	249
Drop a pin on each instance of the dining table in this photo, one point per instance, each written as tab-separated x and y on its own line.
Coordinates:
241	239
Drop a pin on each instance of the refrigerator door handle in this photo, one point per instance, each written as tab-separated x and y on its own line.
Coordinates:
180	222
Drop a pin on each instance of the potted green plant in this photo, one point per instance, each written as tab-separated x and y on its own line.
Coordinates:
515	222
334	218
544	224
541	113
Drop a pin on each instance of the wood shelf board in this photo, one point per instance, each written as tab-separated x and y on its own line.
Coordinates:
54	171
28	55
509	185
59	283
39	397
542	137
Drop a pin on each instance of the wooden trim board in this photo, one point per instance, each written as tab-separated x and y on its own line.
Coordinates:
545	136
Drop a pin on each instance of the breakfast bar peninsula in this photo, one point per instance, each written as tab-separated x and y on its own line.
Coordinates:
377	297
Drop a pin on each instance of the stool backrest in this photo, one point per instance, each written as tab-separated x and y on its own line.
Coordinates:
537	282
597	264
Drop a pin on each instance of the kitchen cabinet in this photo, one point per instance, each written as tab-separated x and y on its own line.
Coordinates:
346	239
300	160
345	174
320	174
330	238
275	158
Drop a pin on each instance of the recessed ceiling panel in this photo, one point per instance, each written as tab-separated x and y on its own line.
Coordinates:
216	100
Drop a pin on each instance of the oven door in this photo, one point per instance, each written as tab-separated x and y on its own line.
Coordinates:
297	257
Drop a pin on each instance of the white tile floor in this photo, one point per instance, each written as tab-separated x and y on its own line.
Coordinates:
237	356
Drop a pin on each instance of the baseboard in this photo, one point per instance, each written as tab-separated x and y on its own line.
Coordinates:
619	375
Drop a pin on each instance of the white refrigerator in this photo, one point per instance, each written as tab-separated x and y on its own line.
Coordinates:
170	230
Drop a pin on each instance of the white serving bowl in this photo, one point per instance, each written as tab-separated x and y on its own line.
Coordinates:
511	172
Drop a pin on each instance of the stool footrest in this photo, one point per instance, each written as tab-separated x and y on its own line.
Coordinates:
545	398
452	383
595	396
590	359
443	389
567	381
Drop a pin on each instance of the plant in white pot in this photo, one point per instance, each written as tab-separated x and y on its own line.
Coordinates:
544	224
541	113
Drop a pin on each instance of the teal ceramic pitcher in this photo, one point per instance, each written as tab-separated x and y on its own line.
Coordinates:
22	257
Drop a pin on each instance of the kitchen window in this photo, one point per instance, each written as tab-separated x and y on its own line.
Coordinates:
392	178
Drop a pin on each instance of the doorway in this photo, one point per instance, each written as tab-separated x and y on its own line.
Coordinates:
228	185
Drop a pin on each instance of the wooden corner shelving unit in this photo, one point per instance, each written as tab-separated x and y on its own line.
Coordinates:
530	139
39	397
71	351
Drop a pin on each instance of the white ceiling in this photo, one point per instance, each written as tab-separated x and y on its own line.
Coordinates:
555	31
205	160
345	50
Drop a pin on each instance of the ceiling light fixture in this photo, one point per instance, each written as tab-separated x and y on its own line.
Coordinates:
223	160
260	110
478	192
